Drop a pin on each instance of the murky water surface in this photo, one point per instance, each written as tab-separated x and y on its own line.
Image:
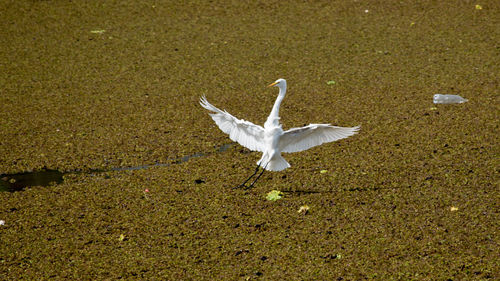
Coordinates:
46	177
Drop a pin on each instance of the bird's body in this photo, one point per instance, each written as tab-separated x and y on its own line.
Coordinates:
271	140
271	156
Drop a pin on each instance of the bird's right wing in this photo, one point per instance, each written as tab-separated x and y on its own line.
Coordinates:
299	139
243	132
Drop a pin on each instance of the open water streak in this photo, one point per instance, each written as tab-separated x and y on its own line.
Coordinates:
46	177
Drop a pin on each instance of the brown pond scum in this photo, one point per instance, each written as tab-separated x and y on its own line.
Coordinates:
99	101
46	177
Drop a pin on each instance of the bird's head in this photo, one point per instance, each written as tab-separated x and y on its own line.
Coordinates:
280	83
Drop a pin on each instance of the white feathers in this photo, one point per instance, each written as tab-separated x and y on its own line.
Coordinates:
243	132
277	163
270	139
303	138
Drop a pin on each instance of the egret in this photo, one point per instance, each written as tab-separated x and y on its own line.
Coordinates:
271	140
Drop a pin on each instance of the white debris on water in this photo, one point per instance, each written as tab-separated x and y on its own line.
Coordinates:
438	98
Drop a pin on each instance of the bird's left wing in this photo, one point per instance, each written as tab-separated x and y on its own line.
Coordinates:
299	139
243	132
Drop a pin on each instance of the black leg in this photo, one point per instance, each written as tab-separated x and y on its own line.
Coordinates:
263	169
243	184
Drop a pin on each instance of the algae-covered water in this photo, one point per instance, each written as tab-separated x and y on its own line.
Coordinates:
111	85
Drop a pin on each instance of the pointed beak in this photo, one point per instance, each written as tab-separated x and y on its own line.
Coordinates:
272	84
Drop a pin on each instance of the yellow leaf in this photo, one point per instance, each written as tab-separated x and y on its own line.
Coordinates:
303	209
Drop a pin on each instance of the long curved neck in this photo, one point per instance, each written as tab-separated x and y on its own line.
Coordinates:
274	117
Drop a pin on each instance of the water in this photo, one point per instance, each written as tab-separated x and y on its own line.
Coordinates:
438	98
17	182
46	177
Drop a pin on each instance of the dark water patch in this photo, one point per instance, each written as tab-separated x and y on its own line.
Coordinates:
17	182
46	177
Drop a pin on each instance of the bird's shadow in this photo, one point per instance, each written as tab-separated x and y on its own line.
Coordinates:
304	192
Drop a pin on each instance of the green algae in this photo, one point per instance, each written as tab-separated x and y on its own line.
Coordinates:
274	195
74	100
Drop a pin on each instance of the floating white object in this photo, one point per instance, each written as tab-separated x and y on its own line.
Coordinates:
2	222
438	98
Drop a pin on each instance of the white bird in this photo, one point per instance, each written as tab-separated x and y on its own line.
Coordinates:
271	140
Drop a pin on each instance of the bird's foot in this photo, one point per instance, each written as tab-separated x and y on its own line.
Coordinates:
248	187
240	186
243	186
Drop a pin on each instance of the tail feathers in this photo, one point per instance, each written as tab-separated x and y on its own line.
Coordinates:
277	163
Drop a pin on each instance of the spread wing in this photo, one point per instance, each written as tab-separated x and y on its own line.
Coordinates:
243	132
299	139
